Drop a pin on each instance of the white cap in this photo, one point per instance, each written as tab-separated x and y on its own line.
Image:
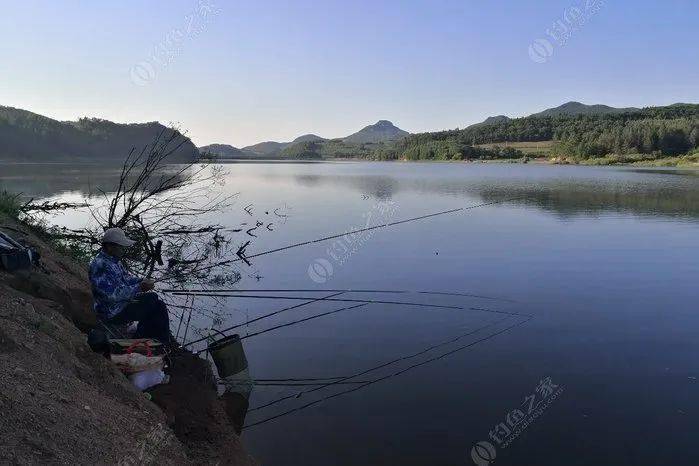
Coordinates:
117	236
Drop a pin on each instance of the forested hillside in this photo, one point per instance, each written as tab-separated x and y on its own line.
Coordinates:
27	136
664	131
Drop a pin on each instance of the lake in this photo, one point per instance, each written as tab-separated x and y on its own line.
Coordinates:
580	346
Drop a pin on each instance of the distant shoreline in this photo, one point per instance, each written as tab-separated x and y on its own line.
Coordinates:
670	162
609	161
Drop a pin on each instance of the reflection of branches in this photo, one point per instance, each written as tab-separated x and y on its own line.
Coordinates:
241	253
47	206
285	217
249	231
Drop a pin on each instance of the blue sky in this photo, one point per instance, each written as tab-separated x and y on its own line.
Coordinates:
272	70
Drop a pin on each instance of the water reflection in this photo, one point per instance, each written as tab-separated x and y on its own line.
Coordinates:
565	191
48	180
650	193
575	199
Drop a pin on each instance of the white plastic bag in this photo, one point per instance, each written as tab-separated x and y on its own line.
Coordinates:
146	379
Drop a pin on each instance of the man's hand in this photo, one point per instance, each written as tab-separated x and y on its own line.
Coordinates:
147	285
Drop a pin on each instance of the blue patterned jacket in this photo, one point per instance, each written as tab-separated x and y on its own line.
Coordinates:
112	286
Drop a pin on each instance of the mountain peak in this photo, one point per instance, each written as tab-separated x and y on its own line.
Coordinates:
382	130
308	138
578	108
222	150
496	119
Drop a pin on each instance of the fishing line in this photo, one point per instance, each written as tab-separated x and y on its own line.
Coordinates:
347	290
348	300
289	324
395	374
468	295
305	379
302	384
381	366
281	290
261	383
384	225
266	316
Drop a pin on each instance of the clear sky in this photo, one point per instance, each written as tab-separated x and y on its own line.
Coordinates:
247	71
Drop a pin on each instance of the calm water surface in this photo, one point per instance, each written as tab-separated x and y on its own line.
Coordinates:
604	259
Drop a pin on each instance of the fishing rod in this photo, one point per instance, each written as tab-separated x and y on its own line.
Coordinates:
289	324
346	290
395	374
348	300
266	316
381	366
375	227
300	384
304	379
261	383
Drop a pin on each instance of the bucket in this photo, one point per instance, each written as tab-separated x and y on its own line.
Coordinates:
228	355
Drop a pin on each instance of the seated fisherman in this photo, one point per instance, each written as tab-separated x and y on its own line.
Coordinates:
121	298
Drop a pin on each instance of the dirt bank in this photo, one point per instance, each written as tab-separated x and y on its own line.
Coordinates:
62	403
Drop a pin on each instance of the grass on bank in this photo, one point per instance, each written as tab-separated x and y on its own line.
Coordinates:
652	160
11	206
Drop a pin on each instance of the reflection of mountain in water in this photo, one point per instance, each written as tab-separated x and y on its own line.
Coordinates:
572	200
46	180
379	187
568	191
644	192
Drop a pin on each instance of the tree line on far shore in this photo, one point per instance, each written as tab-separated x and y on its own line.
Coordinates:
661	131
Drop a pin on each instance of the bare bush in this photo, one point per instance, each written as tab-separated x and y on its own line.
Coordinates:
169	209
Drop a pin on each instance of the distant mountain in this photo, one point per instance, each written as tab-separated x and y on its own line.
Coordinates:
224	151
493	120
577	108
266	148
496	119
308	138
381	131
29	137
568	109
273	148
